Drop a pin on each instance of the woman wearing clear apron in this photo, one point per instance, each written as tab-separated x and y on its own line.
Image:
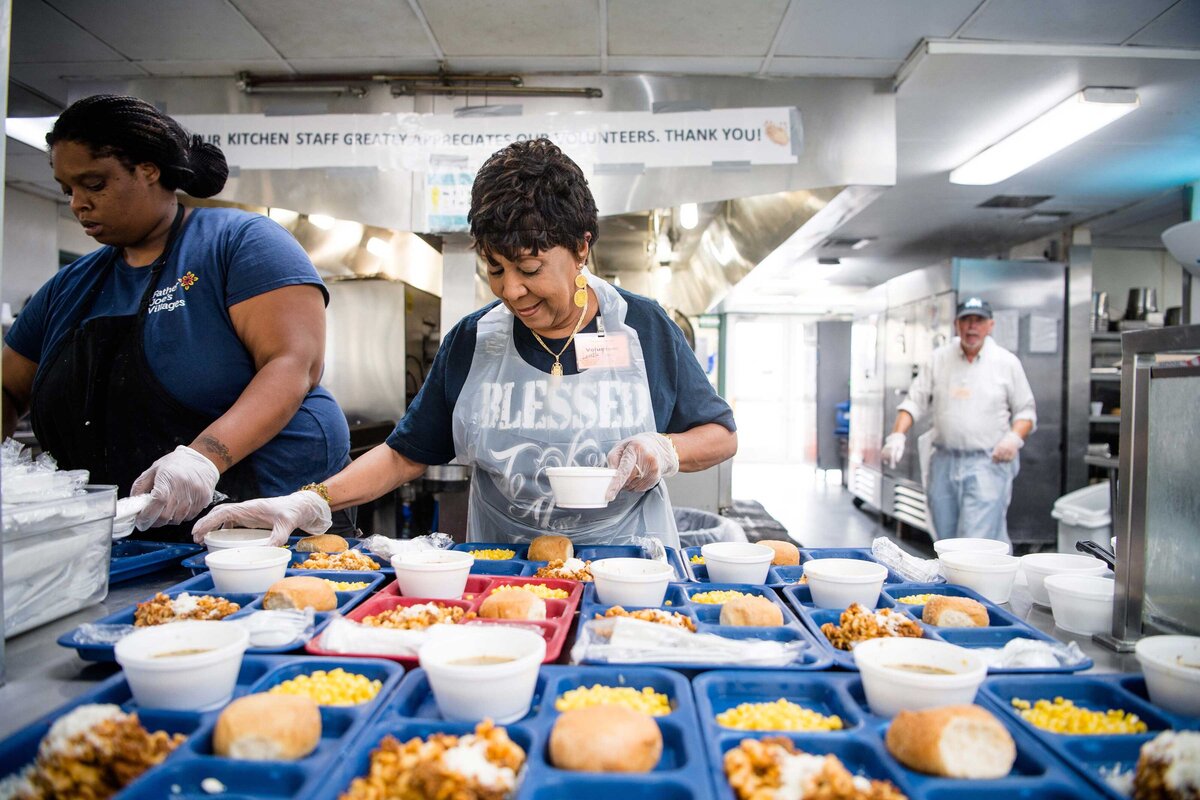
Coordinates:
565	370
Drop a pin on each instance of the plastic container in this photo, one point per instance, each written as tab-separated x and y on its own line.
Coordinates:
737	562
468	686
1081	604
838	582
1172	685
971	544
990	574
433	573
891	685
631	581
1038	565
247	569
580	487
1083	515
236	537
184	666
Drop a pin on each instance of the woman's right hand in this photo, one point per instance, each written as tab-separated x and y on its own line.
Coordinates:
304	510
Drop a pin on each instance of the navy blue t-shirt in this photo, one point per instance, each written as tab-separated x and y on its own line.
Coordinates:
680	393
223	257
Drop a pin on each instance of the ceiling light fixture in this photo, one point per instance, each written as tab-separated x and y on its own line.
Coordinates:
689	216
861	243
378	247
284	216
322	221
29	130
1081	114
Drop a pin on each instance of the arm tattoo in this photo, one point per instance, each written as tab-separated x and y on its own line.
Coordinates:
214	445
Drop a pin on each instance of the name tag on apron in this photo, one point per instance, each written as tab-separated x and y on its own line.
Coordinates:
594	350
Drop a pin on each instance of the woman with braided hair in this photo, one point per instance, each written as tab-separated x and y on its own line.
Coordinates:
184	356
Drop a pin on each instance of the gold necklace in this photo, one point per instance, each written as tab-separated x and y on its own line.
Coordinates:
556	369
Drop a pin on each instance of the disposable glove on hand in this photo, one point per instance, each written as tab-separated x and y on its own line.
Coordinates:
641	461
180	485
304	510
1006	449
893	449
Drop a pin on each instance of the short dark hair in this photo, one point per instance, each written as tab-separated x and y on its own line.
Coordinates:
530	196
135	132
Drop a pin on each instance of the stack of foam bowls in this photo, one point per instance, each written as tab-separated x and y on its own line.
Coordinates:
737	562
892	684
1081	604
1038	565
631	581
486	672
966	543
1171	665
185	666
247	569
990	574
436	574
838	582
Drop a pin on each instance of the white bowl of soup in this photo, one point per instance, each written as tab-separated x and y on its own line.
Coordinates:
483	671
839	582
247	569
631	581
183	666
580	487
436	574
227	538
916	674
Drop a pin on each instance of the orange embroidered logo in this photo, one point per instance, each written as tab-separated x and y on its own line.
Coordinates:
188	280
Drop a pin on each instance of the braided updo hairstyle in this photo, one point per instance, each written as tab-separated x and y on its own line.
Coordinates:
530	196
135	132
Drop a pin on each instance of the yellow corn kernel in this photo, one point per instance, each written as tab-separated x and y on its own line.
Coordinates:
541	590
1063	716
347	586
697	559
645	700
717	596
915	599
780	715
333	688
494	553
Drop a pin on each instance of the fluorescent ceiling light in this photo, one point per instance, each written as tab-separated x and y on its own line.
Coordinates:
284	216
662	249
861	243
378	247
1080	114
663	274
322	221
689	215
29	130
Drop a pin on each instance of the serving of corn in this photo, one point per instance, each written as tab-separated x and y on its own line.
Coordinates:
697	559
347	586
1063	716
541	590
717	596
333	688
780	715
915	599
494	553
645	700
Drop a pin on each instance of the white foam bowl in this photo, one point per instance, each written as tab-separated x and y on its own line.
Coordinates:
838	582
436	574
580	487
470	692
890	690
1081	604
236	537
737	562
247	569
1038	565
631	581
990	574
187	682
967	543
1170	684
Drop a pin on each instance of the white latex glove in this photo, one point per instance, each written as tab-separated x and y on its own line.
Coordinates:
1006	449
641	461
304	510
893	449
180	485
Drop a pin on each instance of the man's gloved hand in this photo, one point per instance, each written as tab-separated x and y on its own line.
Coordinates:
304	510
180	485
1006	449
641	461
893	449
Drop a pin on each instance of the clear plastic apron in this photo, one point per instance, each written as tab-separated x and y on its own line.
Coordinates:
512	421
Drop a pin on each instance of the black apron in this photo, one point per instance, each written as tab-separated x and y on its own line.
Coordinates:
96	404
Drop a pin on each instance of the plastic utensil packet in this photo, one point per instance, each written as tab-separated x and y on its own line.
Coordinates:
92	633
387	548
632	641
911	568
279	627
1032	653
653	547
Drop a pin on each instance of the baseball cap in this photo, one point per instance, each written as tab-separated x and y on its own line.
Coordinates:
974	306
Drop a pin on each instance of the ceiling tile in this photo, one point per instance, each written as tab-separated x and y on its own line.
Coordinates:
1178	27
689	27
54	80
524	65
690	65
492	27
164	30
363	65
1065	21
834	67
868	28
206	69
41	34
346	29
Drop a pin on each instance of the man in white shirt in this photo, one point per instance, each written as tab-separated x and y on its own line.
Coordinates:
982	411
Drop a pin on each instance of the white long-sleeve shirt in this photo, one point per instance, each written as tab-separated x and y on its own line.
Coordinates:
974	402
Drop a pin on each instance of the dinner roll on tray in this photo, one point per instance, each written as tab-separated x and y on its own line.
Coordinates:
954	612
268	727
786	553
322	543
517	604
300	591
952	741
605	739
551	548
751	611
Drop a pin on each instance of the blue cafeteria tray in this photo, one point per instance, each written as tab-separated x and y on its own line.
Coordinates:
681	773
179	776
779	577
707	619
196	563
1004	626
249	602
585	553
1090	755
1037	773
132	558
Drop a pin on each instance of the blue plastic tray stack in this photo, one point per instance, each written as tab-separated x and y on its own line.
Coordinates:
133	558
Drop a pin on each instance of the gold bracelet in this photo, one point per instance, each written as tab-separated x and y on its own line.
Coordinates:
667	436
321	489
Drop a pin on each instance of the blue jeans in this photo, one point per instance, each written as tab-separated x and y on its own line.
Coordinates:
968	493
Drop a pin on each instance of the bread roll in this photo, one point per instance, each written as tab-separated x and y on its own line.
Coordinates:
605	739
551	548
513	604
786	553
954	612
751	611
324	543
268	727
953	741
301	592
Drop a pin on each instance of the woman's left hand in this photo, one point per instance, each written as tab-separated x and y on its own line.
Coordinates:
641	461
180	485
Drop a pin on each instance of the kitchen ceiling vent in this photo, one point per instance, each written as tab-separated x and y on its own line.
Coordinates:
1014	200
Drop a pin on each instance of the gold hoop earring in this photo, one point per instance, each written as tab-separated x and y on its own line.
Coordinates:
580	291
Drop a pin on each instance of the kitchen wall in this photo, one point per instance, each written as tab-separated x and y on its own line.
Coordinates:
1116	271
30	245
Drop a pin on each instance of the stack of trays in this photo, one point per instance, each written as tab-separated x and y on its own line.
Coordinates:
779	577
520	565
132	558
681	773
1003	626
250	602
196	563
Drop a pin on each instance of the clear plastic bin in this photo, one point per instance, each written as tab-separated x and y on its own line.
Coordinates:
1083	515
56	556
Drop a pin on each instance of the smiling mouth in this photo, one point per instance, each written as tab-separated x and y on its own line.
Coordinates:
525	312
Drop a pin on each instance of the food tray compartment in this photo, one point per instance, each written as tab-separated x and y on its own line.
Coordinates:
196	562
249	602
681	772
781	576
132	558
584	553
1006	627
1037	773
706	616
